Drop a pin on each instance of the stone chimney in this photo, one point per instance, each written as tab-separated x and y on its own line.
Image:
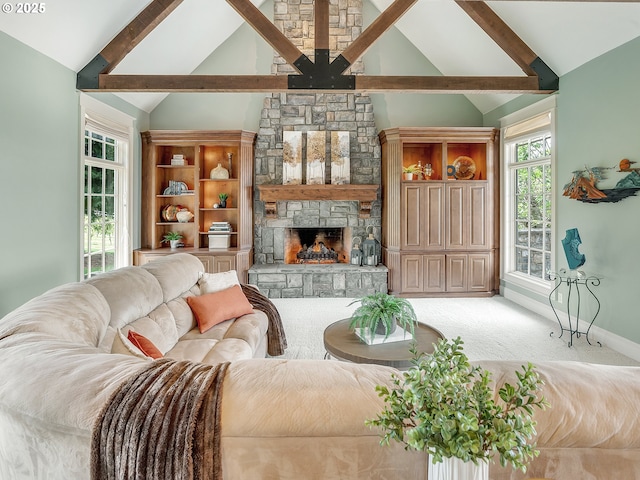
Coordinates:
321	111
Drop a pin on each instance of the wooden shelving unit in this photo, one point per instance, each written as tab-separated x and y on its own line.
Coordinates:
203	151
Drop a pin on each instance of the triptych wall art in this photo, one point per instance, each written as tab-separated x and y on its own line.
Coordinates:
314	152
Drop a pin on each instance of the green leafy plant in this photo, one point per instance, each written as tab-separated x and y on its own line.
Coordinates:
167	237
445	406
411	169
223	196
381	312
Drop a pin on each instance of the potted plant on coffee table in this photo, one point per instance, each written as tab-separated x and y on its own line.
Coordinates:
380	314
445	406
173	238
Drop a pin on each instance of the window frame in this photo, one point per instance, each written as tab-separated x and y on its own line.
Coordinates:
105	120
508	272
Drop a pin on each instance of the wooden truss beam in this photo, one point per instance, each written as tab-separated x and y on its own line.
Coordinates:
280	83
125	41
320	74
511	43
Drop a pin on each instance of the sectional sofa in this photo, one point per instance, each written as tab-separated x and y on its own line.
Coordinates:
81	398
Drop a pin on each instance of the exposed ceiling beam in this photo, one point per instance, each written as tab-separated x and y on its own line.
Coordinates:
510	43
271	34
279	83
380	25
125	41
321	74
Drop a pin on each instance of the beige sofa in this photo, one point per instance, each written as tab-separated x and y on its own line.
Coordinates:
279	419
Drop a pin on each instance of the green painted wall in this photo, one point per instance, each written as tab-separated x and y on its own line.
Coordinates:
246	53
39	172
393	54
598	124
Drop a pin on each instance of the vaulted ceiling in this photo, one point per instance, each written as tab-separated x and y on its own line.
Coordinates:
565	34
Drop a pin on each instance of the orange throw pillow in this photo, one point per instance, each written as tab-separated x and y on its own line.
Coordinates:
213	308
145	345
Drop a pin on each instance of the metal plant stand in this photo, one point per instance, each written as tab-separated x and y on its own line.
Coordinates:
574	280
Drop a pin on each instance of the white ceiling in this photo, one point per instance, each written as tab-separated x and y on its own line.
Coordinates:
564	35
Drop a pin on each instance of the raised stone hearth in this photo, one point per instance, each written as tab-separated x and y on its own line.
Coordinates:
308	280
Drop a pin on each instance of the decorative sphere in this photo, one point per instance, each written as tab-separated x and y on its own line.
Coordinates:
215	205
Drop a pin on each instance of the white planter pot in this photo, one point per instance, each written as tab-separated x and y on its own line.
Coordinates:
456	469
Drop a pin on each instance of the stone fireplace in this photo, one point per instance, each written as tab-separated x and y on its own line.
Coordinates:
305	112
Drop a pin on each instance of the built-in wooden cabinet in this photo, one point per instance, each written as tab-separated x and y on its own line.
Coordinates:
440	232
168	186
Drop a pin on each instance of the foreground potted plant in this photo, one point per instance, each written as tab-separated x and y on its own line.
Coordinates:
173	238
381	313
445	406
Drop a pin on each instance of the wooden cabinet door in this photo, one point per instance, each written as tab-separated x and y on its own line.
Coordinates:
434	273
456	273
412	221
423	216
456	216
479	215
412	274
224	263
479	267
467	216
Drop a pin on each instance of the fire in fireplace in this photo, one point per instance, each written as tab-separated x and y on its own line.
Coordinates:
316	245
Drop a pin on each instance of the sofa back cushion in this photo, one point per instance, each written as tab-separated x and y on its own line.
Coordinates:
132	292
74	312
176	274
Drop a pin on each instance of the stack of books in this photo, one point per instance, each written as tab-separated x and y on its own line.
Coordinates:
178	160
220	227
219	235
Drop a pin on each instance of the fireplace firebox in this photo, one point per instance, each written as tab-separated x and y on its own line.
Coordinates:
316	245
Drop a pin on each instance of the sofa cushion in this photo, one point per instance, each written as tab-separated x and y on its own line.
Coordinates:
144	345
213	308
192	350
123	345
175	273
131	292
215	282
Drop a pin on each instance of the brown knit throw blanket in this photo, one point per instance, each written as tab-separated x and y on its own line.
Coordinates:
162	424
276	338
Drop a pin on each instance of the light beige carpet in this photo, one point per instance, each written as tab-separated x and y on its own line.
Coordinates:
492	329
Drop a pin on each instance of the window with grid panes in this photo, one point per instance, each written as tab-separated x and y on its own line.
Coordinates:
105	216
532	205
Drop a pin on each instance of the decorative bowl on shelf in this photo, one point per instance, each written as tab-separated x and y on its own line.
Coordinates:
170	211
184	216
465	168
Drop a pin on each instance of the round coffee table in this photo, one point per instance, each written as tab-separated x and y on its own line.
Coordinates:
342	343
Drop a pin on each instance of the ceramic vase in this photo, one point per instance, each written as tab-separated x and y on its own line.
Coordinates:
455	469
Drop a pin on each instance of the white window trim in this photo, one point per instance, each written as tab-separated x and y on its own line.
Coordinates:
122	126
542	287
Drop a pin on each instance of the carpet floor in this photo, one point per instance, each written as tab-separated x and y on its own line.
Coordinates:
492	329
